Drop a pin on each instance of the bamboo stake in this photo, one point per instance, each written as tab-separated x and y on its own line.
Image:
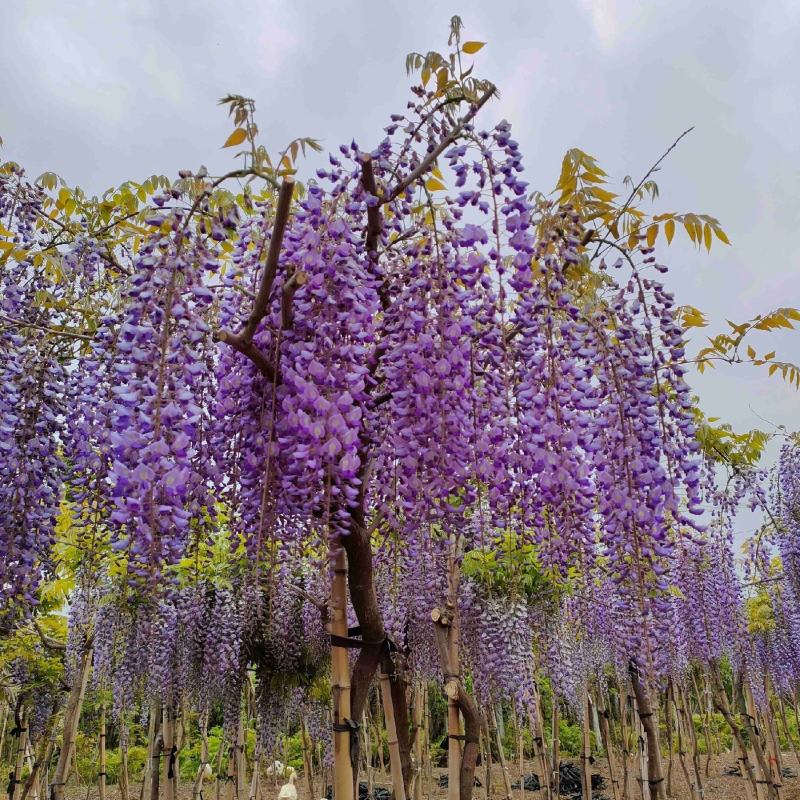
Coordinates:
418	739
123	782
156	744
19	759
520	751
688	719
487	750
626	743
500	752
102	754
197	789
170	749
676	717
555	769
608	748
220	751
307	761
539	744
340	682
586	750
395	763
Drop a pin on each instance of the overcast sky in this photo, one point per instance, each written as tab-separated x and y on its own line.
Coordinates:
101	92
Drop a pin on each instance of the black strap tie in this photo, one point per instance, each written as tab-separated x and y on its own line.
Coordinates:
352	727
352	643
173	754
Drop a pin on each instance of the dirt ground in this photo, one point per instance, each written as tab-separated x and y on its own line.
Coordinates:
717	785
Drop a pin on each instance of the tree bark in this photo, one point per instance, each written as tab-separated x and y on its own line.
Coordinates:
72	716
462	701
655	775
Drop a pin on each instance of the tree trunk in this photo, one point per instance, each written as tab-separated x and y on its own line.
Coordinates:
446	628
722	705
754	735
72	716
655	776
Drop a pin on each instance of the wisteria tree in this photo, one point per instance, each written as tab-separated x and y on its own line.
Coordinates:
290	422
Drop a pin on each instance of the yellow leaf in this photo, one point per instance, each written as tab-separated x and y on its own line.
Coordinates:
652	232
426	76
690	231
602	194
751	353
472	47
768	356
721	235
669	230
434	184
237	137
707	236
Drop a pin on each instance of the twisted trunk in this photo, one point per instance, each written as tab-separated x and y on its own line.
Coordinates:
655	775
72	716
461	701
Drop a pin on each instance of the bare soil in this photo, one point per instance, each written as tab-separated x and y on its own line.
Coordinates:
716	784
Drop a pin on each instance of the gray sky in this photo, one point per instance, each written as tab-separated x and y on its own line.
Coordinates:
101	92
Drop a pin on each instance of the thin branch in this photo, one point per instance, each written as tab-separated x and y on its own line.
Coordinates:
48	641
451	137
243	342
296	280
271	267
56	331
639	185
374	225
